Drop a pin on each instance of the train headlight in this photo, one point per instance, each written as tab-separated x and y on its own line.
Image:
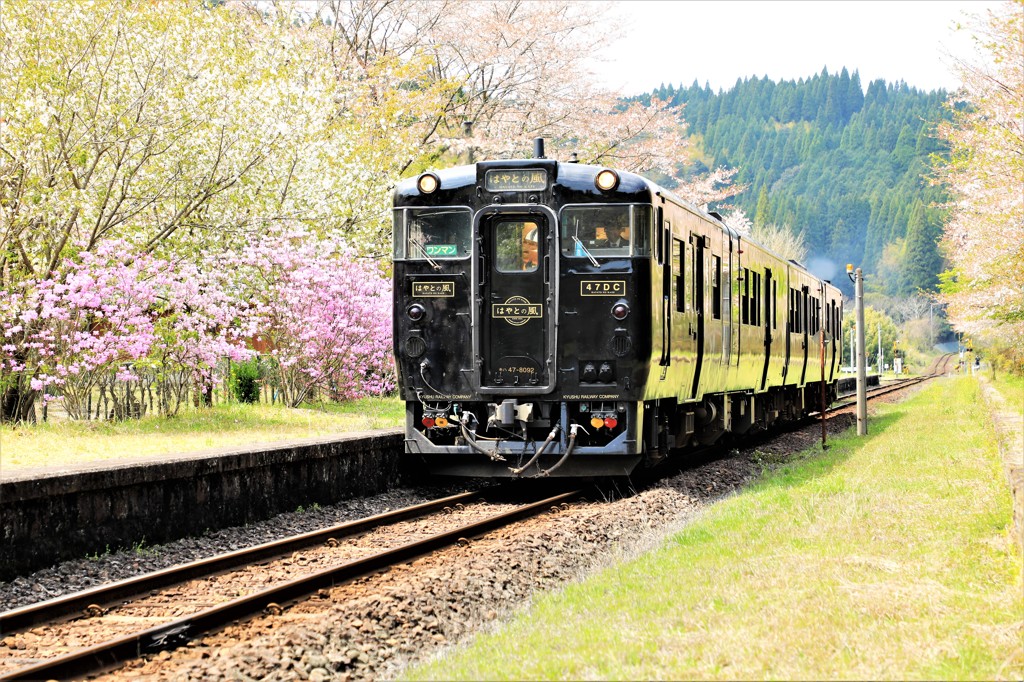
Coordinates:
620	311
416	312
428	183
607	180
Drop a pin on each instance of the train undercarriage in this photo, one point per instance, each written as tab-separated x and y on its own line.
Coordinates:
538	438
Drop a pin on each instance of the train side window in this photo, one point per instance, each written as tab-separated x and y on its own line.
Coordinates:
641	228
665	239
801	310
745	298
794	311
515	246
775	304
755	300
789	312
659	249
716	287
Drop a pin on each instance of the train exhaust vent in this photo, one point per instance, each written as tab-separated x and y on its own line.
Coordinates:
415	347
621	345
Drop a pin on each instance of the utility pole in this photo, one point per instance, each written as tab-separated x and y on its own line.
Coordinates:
857	277
931	326
878	367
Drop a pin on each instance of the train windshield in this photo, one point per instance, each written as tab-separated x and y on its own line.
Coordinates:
605	231
432	233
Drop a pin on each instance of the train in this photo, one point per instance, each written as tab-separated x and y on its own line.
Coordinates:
561	319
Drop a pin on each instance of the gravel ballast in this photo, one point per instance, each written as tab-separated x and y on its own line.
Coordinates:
373	627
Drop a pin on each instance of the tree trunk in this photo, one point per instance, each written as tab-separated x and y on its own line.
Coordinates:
18	405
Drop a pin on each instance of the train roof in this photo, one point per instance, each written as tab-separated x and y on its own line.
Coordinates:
570	183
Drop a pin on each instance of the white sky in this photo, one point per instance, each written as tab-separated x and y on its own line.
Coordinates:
676	41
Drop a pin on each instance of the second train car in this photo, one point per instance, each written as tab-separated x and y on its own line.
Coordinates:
562	319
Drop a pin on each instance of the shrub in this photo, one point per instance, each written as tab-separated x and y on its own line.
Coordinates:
245	381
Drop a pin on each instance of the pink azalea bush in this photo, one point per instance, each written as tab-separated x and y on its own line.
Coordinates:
200	322
94	316
117	314
325	314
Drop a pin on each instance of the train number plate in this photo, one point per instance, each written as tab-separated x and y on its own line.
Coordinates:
603	287
433	289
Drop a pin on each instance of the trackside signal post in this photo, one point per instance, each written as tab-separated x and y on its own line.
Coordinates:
857	277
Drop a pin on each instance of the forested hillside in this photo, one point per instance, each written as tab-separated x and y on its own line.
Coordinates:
844	165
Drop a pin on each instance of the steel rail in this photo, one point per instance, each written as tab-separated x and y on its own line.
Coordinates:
173	634
903	383
73	604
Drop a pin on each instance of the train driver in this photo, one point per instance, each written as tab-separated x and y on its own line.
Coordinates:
613	241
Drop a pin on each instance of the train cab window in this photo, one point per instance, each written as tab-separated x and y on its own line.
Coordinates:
605	231
516	246
432	233
716	287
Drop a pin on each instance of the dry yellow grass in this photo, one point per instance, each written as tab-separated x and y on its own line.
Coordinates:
66	443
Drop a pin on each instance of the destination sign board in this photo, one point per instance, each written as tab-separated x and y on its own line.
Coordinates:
516	180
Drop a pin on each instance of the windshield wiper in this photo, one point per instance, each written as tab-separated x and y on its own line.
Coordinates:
587	253
433	263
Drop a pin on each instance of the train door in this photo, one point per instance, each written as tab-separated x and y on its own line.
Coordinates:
697	268
665	242
804	314
732	315
769	286
514	278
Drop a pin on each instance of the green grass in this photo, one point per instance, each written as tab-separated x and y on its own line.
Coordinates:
884	557
1010	386
60	443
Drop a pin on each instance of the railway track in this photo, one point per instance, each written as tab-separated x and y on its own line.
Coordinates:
938	367
97	629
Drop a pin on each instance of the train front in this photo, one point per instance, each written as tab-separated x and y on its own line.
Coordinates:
522	318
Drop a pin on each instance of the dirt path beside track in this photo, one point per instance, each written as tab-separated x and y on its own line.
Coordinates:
1008	419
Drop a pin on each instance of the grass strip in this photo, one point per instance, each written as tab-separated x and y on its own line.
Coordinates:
61	443
884	557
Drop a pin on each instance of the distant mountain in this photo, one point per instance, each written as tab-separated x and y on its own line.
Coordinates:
844	166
